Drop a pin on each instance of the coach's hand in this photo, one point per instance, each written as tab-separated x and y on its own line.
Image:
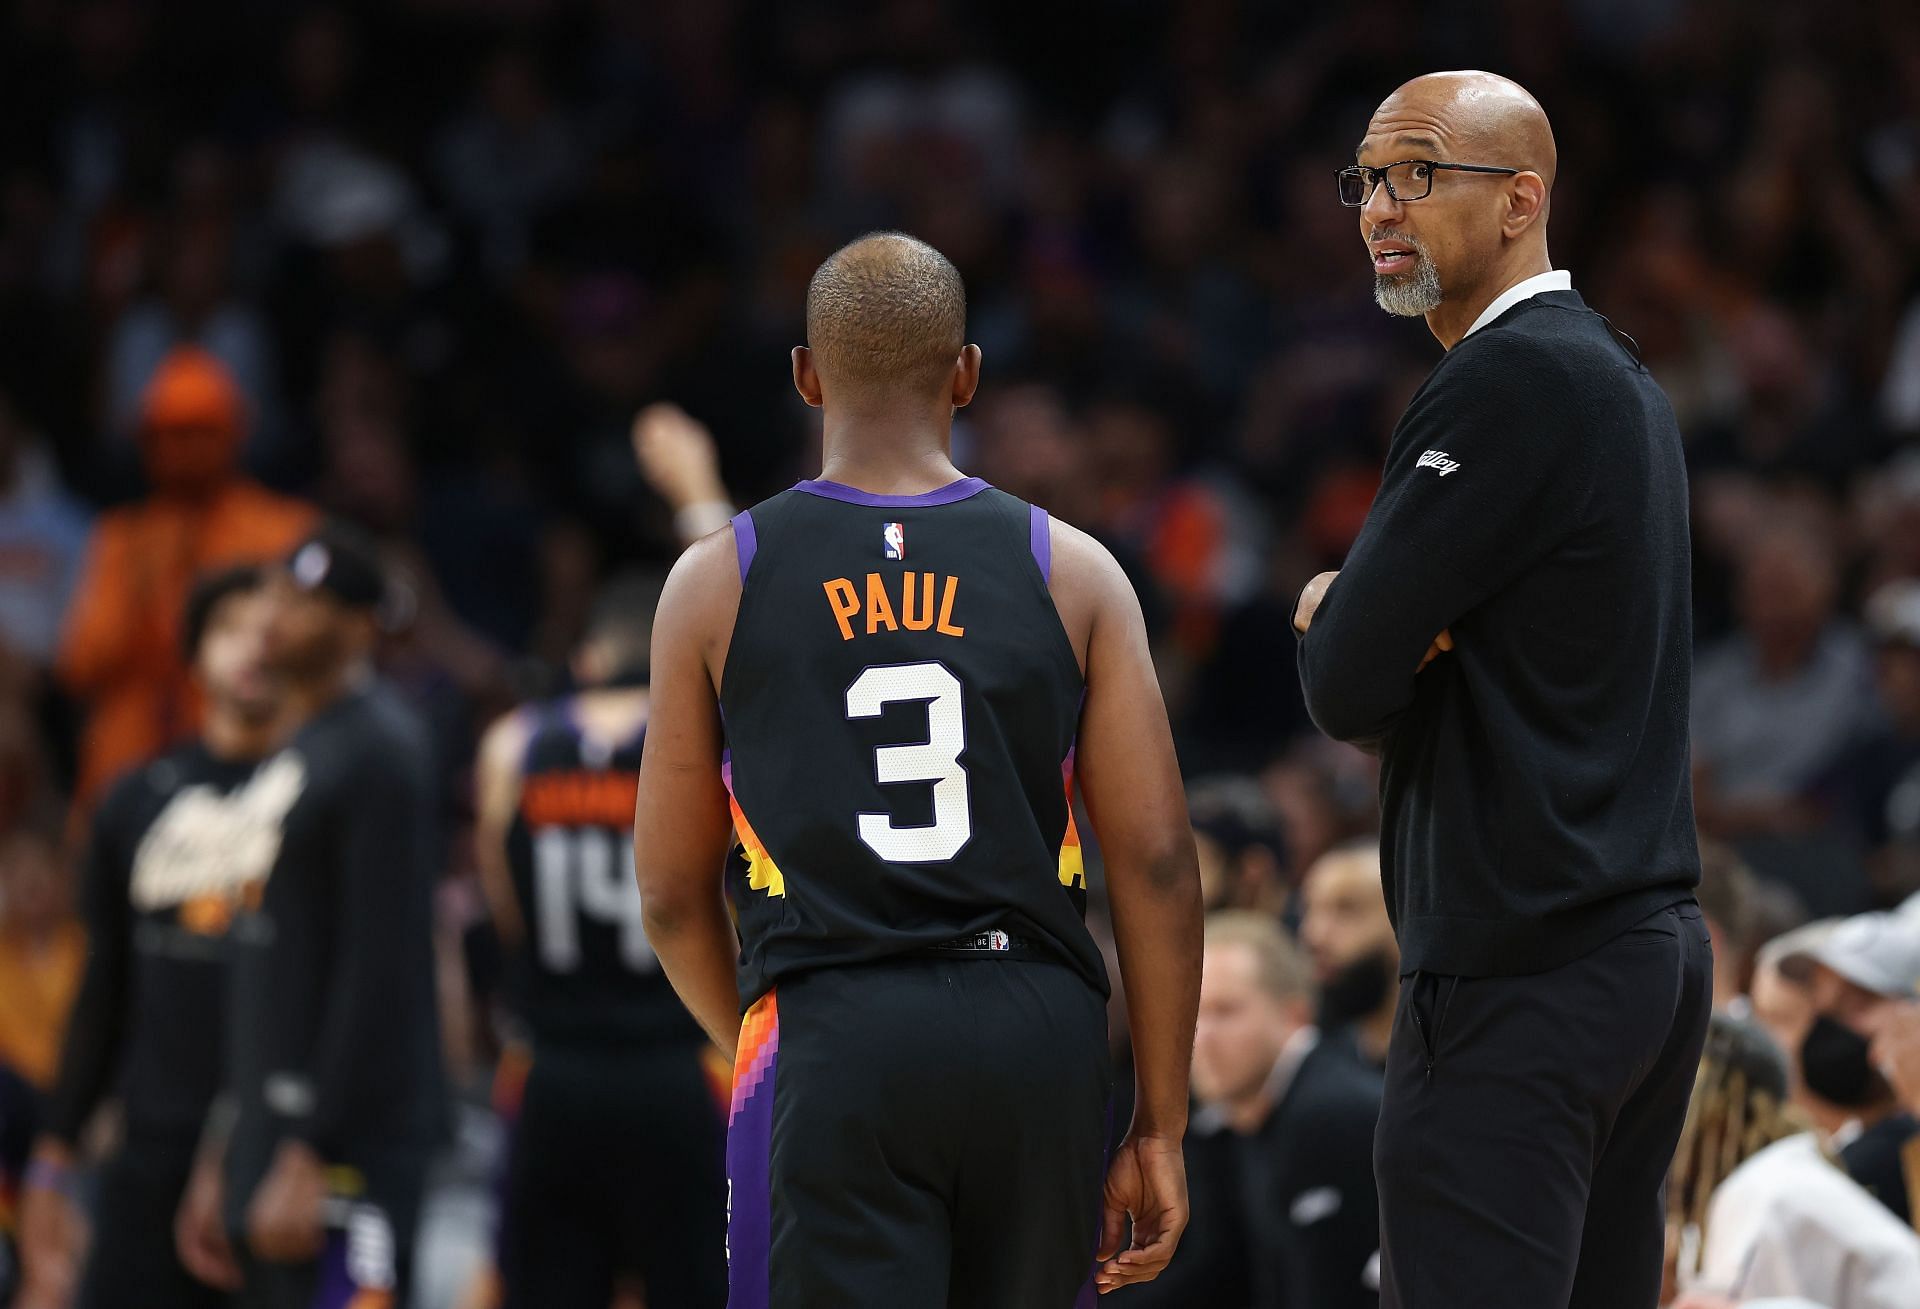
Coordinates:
1441	644
1309	602
286	1222
1147	1182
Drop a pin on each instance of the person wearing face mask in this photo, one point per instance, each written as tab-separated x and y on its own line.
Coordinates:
1356	960
1856	977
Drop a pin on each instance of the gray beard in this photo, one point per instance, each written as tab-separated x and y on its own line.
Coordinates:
1413	296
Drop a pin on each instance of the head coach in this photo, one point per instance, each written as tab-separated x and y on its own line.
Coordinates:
1511	633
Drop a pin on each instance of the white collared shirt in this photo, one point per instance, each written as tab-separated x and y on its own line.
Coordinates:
1558	279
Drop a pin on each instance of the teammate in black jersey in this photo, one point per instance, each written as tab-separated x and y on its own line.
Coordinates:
617	1168
334	1051
176	845
885	682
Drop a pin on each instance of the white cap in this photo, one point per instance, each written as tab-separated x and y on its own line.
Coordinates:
1880	952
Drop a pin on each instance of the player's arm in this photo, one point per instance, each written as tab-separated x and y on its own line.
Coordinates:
681	823
50	1222
496	794
1135	797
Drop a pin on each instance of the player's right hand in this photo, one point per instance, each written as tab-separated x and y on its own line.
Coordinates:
51	1235
1146	1182
200	1229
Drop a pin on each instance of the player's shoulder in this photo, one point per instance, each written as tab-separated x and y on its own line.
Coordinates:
152	779
503	745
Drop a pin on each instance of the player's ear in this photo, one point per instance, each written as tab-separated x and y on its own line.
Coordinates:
966	375
806	380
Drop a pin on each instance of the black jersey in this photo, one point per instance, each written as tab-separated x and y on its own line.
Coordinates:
587	976
901	703
335	1028
176	847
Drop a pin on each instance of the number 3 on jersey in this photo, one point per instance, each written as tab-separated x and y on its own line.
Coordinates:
935	760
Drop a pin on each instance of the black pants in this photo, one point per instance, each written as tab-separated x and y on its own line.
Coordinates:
1529	1122
617	1170
132	1258
923	1133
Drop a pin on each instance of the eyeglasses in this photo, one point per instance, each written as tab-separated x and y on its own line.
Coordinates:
1410	179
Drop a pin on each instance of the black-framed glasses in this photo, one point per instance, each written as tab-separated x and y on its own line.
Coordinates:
1410	179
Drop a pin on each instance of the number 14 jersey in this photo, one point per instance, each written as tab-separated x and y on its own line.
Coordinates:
900	702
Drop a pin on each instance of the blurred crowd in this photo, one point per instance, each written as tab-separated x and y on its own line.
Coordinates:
418	266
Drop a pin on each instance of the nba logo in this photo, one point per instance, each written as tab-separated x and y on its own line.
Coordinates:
998	940
895	537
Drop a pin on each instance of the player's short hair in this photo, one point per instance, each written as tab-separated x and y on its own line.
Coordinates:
886	311
1280	965
204	601
621	619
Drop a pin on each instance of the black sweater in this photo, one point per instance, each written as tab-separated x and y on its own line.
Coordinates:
1534	783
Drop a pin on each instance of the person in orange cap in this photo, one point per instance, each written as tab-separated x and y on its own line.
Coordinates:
120	650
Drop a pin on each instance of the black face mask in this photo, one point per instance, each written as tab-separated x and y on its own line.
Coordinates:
1358	989
1835	1066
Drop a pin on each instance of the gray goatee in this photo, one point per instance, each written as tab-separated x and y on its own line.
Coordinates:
1414	294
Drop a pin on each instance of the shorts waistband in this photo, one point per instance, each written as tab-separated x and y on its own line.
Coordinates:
993	941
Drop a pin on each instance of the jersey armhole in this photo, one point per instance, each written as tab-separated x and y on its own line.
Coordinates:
746	541
1040	540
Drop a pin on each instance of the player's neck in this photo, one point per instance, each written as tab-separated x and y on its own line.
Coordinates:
887	452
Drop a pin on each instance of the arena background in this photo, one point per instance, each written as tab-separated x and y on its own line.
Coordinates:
449	250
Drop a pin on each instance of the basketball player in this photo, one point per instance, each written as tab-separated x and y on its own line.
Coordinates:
175	844
333	1069
910	664
620	1089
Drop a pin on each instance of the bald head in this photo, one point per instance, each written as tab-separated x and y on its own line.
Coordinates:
886	313
1471	117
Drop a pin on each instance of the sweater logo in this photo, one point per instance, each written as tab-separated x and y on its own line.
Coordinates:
1437	459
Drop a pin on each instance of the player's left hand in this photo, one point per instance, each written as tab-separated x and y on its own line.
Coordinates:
1147	1182
286	1221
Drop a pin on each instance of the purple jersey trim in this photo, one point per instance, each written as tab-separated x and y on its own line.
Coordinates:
1040	540
853	495
745	541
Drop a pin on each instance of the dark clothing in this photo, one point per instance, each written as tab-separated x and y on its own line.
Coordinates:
178	846
175	846
1877	1160
617	1170
1534	783
334	1035
617	1093
1287	1216
1528	1123
1308	1187
132	1259
587	978
366	1261
920	1131
901	703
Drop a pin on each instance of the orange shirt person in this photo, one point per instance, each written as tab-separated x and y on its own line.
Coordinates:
120	650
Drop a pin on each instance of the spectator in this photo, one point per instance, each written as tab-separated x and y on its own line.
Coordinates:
1856	977
1776	704
42	949
1872	787
1727	901
1285	1134
1238	837
1760	1210
120	652
42	534
1356	957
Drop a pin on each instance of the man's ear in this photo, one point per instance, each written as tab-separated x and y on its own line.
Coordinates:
806	379
1526	203
966	376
